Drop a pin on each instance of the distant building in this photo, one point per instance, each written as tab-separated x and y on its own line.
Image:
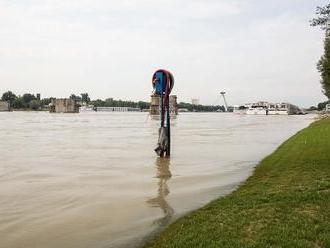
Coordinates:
327	107
195	101
64	105
118	109
4	106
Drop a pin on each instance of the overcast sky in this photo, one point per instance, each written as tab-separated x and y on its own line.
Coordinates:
252	49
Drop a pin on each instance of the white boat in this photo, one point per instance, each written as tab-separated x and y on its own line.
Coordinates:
86	108
258	108
279	109
327	108
266	108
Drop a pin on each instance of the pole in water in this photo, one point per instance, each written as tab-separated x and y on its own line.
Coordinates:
163	82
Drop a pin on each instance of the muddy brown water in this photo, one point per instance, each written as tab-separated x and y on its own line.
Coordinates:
93	180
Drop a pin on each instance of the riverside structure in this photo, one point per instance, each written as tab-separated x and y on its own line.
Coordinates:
4	106
63	105
155	105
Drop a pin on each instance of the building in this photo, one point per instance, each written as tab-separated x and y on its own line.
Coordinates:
63	105
327	108
118	109
155	105
195	101
4	106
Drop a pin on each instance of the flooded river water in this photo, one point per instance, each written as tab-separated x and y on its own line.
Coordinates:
93	179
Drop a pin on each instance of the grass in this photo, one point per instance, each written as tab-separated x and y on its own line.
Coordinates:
285	203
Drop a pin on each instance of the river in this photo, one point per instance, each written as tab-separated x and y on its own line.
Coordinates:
93	179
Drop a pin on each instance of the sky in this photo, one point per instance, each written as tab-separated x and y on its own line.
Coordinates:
252	49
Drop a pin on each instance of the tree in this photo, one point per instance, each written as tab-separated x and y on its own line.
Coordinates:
324	18
323	66
85	98
98	103
34	104
74	97
143	105
18	103
8	97
321	105
27	98
45	101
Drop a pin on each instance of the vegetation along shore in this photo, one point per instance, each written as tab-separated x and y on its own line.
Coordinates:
285	203
30	101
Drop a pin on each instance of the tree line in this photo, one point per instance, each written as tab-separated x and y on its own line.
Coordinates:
30	101
200	108
25	101
323	66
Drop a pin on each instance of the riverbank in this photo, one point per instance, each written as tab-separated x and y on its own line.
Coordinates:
285	203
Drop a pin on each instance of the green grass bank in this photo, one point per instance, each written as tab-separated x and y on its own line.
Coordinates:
285	203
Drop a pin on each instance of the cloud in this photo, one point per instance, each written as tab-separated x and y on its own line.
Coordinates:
111	48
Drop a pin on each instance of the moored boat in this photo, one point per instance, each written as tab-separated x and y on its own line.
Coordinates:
266	108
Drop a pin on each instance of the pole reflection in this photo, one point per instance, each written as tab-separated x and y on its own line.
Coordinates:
164	174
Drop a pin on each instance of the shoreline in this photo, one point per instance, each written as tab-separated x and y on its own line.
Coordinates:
283	203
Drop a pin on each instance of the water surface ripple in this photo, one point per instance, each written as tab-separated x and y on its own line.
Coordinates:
93	180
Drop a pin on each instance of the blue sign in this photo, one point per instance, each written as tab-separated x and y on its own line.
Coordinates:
160	83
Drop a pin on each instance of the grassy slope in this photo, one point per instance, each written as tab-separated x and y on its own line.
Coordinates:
286	203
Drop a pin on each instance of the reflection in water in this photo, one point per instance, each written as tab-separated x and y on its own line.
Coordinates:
164	174
49	180
157	117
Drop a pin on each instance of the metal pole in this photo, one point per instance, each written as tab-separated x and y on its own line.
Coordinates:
163	83
168	124
161	111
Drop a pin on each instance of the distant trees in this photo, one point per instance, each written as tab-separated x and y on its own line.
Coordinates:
30	101
143	105
18	103
110	102
200	108
74	97
45	101
8	97
34	105
323	66
27	98
85	98
26	101
321	105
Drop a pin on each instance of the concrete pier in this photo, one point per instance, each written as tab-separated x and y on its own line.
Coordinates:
63	105
4	106
155	105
